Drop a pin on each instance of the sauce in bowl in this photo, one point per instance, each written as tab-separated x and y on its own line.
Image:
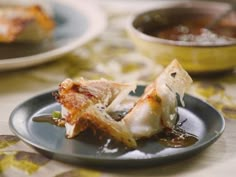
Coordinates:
193	30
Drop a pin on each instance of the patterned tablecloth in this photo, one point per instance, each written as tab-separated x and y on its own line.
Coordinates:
111	56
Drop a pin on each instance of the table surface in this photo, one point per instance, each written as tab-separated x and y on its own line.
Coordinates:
112	56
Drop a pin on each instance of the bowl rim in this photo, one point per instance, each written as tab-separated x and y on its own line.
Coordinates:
133	30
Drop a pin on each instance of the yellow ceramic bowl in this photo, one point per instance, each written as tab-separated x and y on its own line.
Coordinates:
194	56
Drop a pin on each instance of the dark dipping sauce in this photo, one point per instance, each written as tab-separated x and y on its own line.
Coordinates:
174	138
194	30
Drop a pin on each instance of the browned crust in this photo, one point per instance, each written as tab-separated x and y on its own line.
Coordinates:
41	17
83	101
15	26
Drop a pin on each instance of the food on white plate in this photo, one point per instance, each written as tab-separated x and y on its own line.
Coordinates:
25	24
90	104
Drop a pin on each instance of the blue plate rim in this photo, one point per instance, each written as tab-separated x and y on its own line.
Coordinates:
106	160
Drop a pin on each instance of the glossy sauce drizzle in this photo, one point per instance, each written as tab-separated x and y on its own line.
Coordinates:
176	137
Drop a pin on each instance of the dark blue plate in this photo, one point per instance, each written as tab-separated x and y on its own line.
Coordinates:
202	120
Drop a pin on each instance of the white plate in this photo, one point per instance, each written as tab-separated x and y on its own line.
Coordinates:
77	22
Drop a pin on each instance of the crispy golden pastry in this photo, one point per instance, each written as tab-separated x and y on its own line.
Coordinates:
24	24
88	103
157	108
